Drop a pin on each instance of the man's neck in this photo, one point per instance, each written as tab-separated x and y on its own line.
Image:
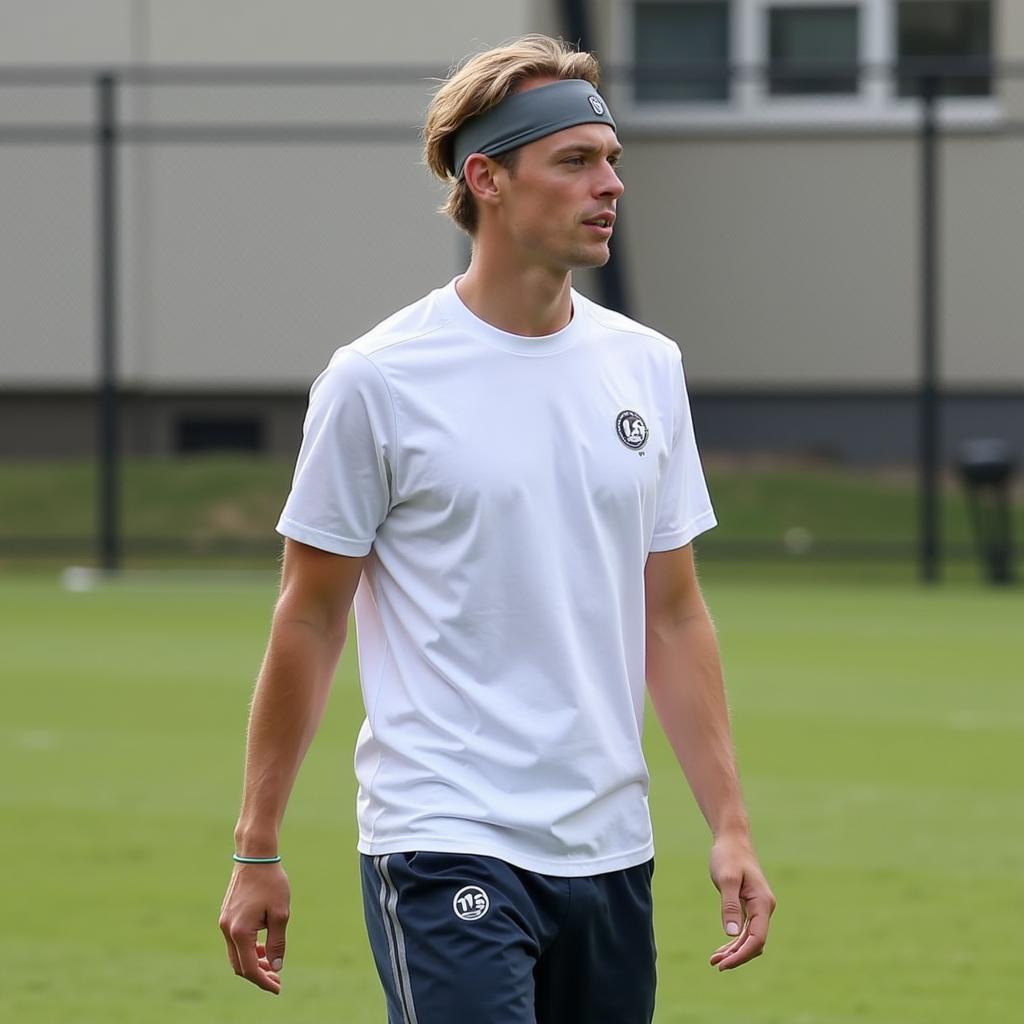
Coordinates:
530	301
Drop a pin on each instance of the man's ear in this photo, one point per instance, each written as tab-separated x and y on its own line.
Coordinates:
479	172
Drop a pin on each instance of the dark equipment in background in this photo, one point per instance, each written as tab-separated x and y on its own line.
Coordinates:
986	468
219	434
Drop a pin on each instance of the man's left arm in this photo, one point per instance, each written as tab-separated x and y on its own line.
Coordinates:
684	678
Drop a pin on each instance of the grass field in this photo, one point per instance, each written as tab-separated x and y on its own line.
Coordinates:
226	507
880	733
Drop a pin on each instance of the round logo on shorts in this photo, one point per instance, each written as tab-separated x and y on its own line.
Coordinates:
596	104
631	429
470	903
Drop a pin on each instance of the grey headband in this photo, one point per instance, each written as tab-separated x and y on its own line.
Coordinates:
527	116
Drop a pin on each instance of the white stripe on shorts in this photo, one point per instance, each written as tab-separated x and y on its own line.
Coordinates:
396	939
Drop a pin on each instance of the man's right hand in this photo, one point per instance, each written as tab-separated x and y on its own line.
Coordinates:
307	635
257	899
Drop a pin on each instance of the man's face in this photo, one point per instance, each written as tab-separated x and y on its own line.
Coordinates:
558	207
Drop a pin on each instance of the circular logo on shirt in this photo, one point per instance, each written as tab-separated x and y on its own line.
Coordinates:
631	429
470	903
596	104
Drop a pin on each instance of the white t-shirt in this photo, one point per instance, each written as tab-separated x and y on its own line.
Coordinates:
507	491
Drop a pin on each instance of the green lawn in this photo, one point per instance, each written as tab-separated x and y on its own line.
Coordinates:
880	733
226	507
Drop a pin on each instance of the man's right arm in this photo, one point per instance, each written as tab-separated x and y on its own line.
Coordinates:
307	635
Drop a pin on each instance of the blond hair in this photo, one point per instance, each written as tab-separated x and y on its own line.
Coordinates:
482	82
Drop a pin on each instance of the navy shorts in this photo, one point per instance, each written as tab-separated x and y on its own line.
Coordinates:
464	938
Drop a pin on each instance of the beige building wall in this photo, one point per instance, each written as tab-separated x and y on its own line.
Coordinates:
795	264
242	265
58	32
777	259
774	263
1010	28
787	256
334	31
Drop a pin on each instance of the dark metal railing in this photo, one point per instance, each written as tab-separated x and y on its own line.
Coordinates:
929	80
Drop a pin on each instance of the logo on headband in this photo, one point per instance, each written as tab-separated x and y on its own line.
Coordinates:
596	104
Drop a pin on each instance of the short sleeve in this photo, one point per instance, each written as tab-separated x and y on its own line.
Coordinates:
684	506
341	490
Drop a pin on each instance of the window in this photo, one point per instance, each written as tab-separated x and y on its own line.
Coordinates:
841	63
219	434
944	32
684	48
802	40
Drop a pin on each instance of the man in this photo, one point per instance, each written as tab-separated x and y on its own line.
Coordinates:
504	478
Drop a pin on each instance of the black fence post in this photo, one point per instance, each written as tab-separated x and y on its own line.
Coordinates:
109	539
930	540
576	19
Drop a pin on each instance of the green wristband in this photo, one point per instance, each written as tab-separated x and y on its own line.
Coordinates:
255	860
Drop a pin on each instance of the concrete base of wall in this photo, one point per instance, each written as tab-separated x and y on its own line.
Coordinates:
849	427
65	424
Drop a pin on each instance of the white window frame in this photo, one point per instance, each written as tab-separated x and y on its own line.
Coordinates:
876	104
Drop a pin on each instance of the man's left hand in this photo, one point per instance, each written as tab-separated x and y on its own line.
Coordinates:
747	901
